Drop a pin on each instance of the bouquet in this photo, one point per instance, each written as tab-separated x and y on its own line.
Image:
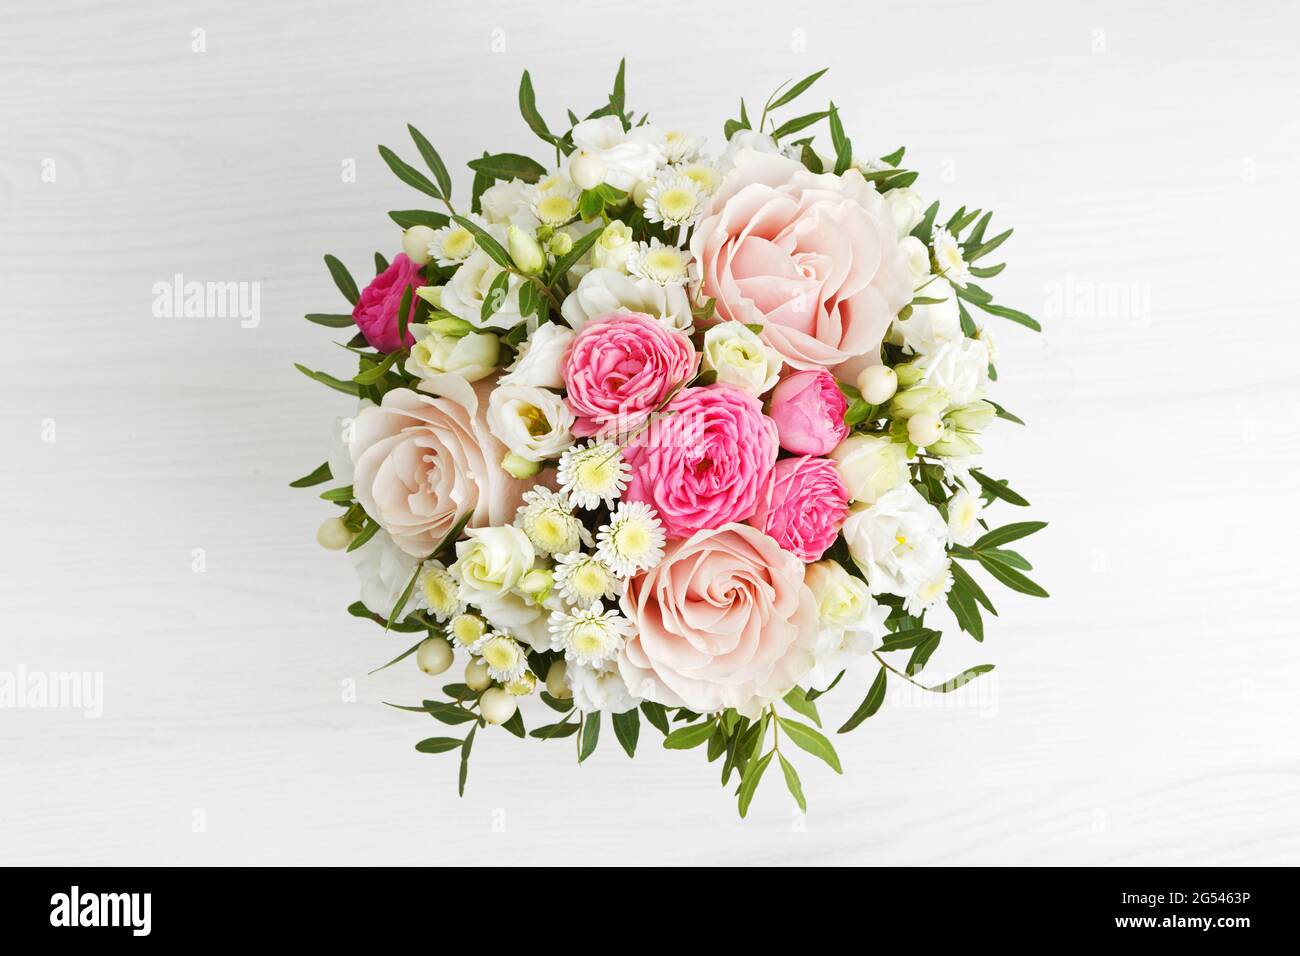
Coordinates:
648	433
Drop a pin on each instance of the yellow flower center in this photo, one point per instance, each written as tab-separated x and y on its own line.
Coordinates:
458	244
676	203
590	580
555	210
631	539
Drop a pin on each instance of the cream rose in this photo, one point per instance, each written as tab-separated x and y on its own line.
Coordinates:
740	358
813	258
870	465
491	562
420	462
532	422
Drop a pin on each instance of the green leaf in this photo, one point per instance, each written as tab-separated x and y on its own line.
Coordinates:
366	533
870	704
999	489
656	714
404	596
496	296
432	160
1008	533
406	218
1003	413
1009	576
965	677
563	706
627	728
924	230
618	97
555	731
400	657
376	372
408	173
749	783
896	157
570	258
330	321
528	109
961	579
794	91
380	263
964	607
810	740
509	166
813	693
843	147
972	253
321	474
590	735
516	724
792	783
337	494
404	313
684	738
450	537
439	745
343	279
798	123
1015	315
464	759
798	701
496	252
902	640
922	654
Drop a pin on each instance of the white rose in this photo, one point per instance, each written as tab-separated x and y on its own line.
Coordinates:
629	155
959	368
740	358
917	254
929	325
908	209
540	358
745	139
383	570
340	454
851	621
603	291
532	422
964	511
463	296
613	248
594	689
899	543
870	465
491	561
506	203
472	356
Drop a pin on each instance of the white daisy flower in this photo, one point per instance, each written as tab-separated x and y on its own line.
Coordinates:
554	200
466	630
930	593
674	200
437	591
948	258
591	635
633	540
547	518
661	264
705	172
593	473
503	656
679	146
452	244
581	578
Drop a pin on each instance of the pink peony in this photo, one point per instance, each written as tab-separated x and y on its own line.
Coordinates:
808	504
620	368
808	408
376	311
724	620
706	461
813	258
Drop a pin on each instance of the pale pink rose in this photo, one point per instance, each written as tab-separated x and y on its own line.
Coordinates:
376	310
724	620
812	258
705	461
809	502
620	368
422	461
808	408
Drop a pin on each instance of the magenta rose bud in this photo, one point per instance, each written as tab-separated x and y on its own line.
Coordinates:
622	367
808	504
705	462
808	408
376	311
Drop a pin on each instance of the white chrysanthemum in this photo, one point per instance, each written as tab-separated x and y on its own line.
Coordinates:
633	540
679	146
661	264
466	630
437	591
590	635
581	578
930	592
547	518
503	656
554	200
704	172
948	258
674	200
599	688
593	473
964	510
452	244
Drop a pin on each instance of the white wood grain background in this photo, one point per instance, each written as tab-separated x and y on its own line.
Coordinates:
1146	714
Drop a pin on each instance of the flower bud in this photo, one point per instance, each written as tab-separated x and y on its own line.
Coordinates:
431	294
877	383
560	244
434	656
497	706
556	684
516	466
974	417
333	534
640	191
924	429
614	246
450	325
415	243
917	401
587	170
955	444
526	251
476	675
908	374
537	584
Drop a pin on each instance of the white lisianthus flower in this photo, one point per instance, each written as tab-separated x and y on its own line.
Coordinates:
917	254
930	324
547	518
633	540
515	614
629	155
383	570
662	264
532	422
598	688
590	635
491	561
908	209
674	199
744	139
959	368
947	257
593	474
581	578
603	291
740	357
506	203
613	247
870	465
899	543
453	243
540	358
463	296
964	512
472	356
850	619
438	592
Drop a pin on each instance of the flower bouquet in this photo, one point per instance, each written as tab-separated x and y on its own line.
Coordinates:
655	434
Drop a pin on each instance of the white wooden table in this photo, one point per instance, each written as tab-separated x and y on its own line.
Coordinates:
1147	157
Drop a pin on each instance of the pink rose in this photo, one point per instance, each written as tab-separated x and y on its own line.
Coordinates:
422	461
620	368
808	408
809	502
724	620
705	461
376	311
813	258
